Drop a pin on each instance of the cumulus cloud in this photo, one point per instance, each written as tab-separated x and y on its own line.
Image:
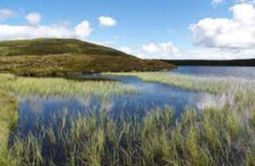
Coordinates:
6	13
33	19
169	51
83	30
151	48
166	48
13	32
107	21
237	32
247	1
200	53
214	54
158	50
34	29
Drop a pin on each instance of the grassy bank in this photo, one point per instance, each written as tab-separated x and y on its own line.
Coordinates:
8	118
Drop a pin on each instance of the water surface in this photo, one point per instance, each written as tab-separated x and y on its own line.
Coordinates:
37	109
224	71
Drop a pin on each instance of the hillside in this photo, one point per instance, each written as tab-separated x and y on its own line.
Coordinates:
54	46
50	57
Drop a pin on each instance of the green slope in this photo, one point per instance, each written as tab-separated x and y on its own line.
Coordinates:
50	57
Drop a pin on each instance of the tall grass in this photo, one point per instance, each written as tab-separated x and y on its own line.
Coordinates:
61	86
8	118
215	85
213	136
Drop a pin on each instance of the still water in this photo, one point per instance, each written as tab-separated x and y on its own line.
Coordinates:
238	72
34	109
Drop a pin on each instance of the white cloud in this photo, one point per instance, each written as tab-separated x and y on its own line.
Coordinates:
235	33
214	53
107	21
34	28
199	53
166	48
158	50
151	48
13	32
83	30
247	1
34	19
6	13
169	51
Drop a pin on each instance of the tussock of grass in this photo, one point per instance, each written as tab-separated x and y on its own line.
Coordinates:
8	118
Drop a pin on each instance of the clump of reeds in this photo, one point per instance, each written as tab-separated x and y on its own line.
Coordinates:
8	118
213	136
61	86
215	85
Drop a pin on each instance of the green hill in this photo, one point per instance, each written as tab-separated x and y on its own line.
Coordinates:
48	57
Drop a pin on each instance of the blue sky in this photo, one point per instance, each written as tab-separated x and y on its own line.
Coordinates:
149	29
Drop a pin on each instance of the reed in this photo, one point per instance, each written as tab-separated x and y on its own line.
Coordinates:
213	136
8	118
215	85
60	86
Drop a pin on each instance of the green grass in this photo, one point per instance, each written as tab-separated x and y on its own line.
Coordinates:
23	86
51	57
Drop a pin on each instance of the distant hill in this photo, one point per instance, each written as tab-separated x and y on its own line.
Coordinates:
236	62
50	57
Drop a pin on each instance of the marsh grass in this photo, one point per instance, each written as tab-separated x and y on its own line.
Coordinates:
8	118
59	86
213	136
215	85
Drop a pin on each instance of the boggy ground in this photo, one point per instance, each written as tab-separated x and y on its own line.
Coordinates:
222	135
